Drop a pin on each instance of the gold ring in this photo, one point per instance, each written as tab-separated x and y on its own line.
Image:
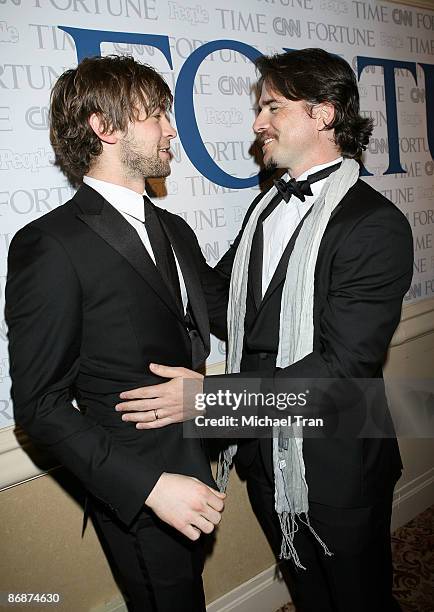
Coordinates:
155	413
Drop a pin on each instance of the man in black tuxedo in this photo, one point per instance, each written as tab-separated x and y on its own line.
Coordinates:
309	124
97	290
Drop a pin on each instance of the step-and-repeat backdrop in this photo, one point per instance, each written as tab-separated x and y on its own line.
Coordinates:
205	51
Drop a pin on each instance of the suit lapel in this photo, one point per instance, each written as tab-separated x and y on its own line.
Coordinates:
186	261
336	210
347	200
255	265
110	225
280	272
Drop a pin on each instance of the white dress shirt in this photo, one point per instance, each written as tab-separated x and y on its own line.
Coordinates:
130	205
283	221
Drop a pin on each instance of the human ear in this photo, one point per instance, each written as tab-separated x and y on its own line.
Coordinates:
99	126
324	115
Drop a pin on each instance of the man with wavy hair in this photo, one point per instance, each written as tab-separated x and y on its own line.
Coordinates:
98	289
318	274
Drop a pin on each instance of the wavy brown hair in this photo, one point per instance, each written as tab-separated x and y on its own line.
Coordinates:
116	88
316	76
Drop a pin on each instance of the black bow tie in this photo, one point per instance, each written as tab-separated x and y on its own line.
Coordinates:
292	187
302	188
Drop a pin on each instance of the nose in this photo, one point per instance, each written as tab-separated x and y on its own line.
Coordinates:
260	124
168	129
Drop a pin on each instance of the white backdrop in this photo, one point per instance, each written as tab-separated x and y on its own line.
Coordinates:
206	185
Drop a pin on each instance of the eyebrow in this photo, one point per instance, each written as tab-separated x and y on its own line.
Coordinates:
268	102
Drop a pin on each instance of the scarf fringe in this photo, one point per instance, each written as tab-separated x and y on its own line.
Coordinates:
289	528
223	467
314	533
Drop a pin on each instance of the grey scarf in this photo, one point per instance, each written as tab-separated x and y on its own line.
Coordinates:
295	342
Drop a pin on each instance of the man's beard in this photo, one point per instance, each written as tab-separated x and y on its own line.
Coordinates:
137	164
270	164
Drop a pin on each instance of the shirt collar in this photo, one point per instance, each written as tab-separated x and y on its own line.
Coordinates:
315	187
123	199
314	169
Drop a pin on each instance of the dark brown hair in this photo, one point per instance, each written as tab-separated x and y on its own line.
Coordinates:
116	88
316	76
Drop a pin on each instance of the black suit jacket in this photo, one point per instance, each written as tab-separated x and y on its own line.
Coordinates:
363	270
87	311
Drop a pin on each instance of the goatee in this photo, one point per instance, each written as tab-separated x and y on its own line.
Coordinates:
270	164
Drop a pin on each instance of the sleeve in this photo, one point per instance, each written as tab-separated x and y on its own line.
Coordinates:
224	266
216	290
217	280
44	315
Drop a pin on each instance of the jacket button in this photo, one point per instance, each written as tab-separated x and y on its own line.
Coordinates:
263	355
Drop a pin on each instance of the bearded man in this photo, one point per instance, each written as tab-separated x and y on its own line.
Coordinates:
97	289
